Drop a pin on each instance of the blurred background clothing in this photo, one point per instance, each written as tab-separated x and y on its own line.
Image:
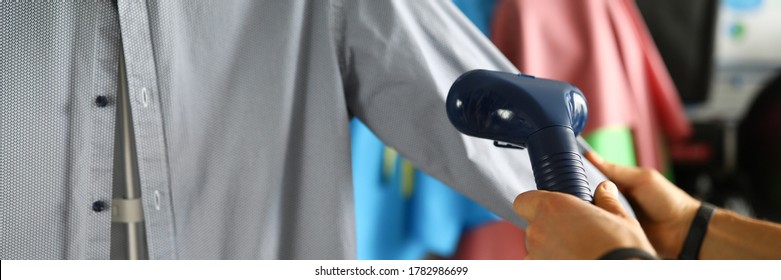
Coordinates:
602	47
480	12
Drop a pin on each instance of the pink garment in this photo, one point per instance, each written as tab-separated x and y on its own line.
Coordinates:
604	48
498	240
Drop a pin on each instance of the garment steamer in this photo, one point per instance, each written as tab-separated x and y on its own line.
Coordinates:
520	111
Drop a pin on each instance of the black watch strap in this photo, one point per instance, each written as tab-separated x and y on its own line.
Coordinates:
693	242
627	253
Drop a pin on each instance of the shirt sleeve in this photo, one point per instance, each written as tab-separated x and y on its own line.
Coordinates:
398	62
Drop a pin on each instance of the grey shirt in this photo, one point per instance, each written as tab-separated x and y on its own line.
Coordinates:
240	112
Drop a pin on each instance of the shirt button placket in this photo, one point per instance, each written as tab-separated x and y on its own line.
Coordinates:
99	206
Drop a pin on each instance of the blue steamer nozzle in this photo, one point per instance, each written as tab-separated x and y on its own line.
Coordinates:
520	111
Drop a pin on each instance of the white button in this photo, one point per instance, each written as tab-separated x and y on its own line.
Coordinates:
144	98
157	200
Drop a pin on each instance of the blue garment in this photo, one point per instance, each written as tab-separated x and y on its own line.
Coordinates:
395	222
480	12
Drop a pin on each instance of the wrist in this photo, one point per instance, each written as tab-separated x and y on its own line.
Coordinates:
668	238
695	236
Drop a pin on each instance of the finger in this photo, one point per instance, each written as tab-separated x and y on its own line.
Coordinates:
525	204
624	176
606	197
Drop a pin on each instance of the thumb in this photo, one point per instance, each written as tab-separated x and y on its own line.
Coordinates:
606	197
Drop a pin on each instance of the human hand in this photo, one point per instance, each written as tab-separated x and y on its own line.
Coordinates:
664	211
562	226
